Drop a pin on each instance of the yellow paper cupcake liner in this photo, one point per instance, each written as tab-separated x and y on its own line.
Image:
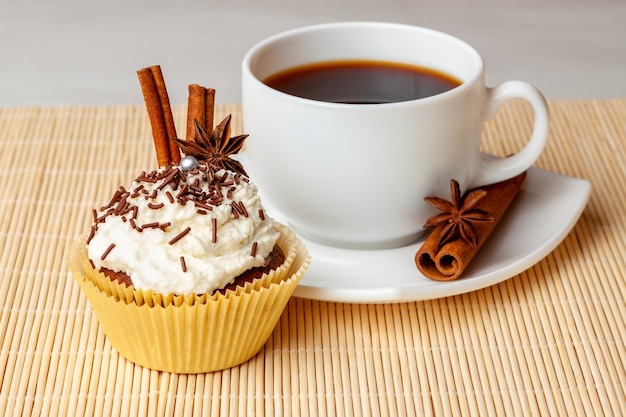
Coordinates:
192	334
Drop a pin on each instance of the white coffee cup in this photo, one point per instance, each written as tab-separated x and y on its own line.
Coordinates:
356	175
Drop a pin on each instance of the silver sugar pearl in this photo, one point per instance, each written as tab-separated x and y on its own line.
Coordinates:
188	163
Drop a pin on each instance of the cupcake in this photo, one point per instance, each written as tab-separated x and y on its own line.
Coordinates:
184	269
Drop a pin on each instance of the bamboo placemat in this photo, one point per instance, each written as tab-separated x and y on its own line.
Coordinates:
551	341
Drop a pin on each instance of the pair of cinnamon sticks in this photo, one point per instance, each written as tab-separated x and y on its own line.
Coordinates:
448	261
200	107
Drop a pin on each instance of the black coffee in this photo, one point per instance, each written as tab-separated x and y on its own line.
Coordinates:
361	82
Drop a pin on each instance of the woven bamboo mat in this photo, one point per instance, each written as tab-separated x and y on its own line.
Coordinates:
550	341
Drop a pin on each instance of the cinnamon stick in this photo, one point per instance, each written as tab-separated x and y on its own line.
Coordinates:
160	114
195	109
167	113
448	262
209	108
200	107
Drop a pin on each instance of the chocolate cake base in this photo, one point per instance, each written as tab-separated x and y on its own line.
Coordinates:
275	259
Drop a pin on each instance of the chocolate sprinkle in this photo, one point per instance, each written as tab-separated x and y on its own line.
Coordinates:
134	225
92	232
179	236
106	252
183	264
171	177
181	194
202	205
234	209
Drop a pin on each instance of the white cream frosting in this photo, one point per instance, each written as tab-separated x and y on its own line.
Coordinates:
212	258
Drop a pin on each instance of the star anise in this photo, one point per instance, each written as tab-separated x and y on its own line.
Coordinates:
458	215
215	147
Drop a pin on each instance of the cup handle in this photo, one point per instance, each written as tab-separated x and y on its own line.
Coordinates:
493	169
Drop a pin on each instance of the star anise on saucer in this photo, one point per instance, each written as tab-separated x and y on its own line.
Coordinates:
458	215
215	147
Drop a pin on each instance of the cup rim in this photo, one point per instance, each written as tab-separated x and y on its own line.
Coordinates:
259	46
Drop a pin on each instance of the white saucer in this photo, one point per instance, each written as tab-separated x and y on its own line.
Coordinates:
543	213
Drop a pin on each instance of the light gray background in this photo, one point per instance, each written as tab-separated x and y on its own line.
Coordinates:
71	52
